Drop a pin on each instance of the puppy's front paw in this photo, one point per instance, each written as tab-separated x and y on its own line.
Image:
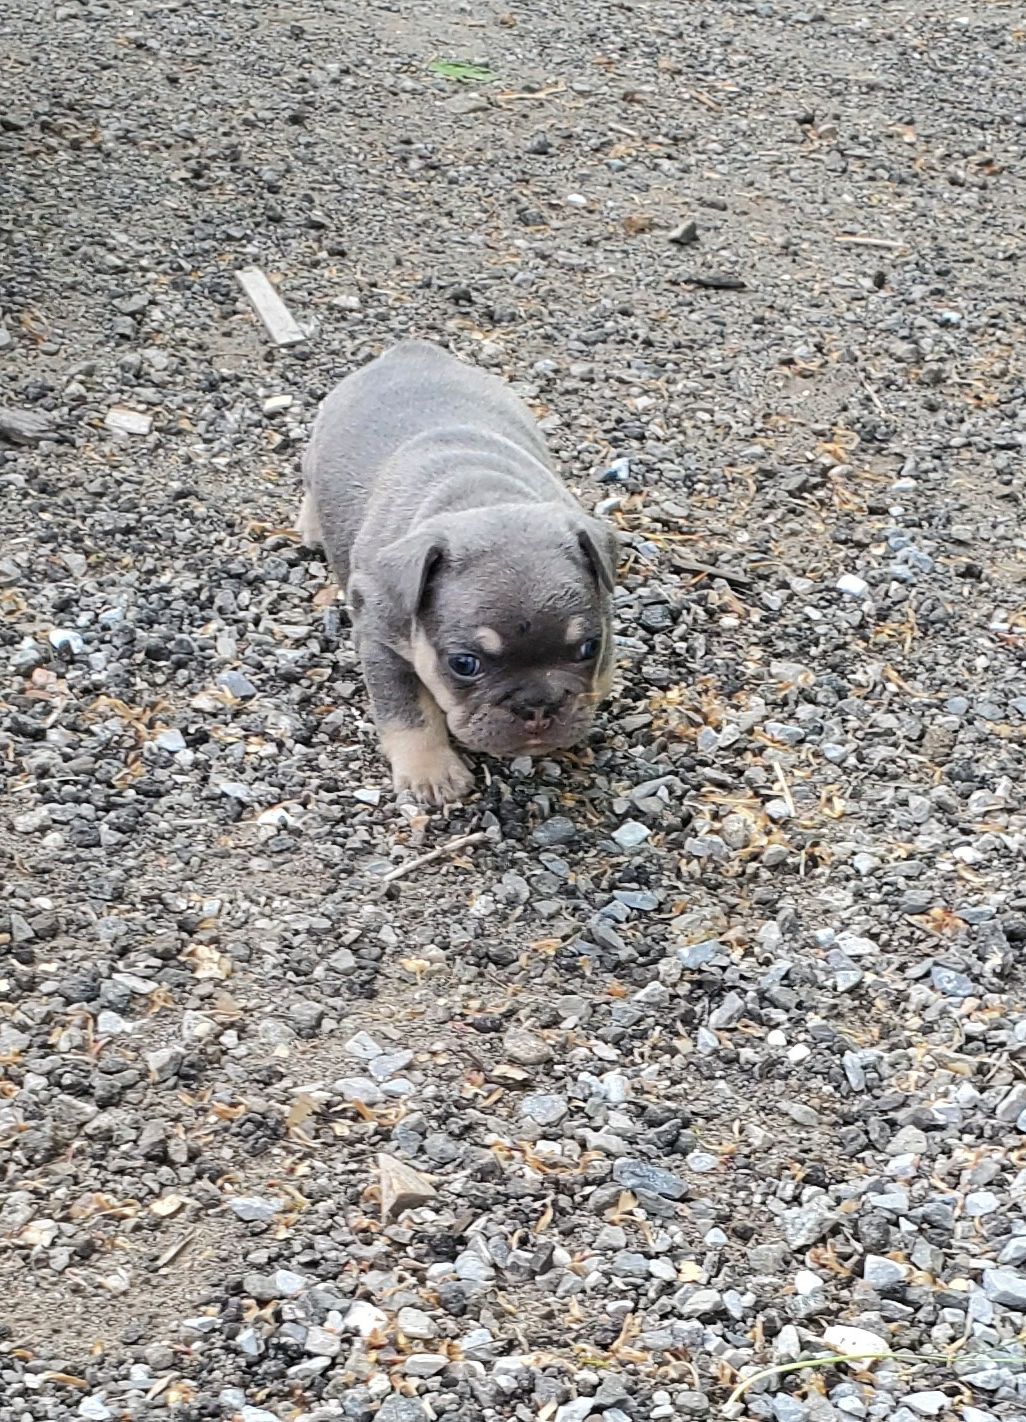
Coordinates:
427	766
442	782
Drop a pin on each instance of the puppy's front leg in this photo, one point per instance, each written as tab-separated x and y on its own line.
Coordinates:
413	732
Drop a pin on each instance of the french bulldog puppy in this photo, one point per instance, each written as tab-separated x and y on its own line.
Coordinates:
479	589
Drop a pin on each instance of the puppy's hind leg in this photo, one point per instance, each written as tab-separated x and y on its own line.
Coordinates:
308	522
413	732
308	525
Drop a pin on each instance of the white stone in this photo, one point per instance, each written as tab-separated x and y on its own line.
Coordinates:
170	740
416	1324
855	1342
851	585
111	1024
363	1318
927	1404
363	1046
321	1342
94	1408
575	1411
631	834
880	1272
425	1365
806	1282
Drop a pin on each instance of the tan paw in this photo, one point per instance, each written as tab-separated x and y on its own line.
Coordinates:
425	765
442	781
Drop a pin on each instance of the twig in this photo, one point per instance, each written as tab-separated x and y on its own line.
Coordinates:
692	565
512	97
871	392
930	933
705	101
785	789
462	841
173	1252
885	243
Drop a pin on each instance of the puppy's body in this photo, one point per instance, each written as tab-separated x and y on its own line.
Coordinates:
429	486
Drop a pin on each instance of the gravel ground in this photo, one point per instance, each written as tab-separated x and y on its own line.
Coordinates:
710	1049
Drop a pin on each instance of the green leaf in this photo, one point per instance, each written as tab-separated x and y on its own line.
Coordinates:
462	73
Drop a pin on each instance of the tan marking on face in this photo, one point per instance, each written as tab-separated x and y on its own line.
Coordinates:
423	761
575	629
604	674
603	683
425	664
489	640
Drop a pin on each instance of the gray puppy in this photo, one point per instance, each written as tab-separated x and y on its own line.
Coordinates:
479	589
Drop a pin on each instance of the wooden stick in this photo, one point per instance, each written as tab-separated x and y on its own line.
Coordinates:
463	841
268	305
878	405
886	243
692	565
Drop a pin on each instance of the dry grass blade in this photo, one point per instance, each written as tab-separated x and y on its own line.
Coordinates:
830	1360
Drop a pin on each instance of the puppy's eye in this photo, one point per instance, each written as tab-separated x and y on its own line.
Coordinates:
589	650
465	666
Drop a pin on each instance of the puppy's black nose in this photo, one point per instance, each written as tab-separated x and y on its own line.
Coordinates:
537	715
535	721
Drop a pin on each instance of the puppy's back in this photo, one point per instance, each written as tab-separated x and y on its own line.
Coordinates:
414	390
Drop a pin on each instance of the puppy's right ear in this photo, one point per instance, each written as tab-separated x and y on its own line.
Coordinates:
601	548
406	568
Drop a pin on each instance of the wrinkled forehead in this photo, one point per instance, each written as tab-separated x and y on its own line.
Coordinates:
514	619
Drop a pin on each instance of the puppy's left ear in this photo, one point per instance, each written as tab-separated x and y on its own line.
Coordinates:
601	548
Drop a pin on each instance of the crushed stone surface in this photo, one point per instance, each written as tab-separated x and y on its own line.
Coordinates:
708	1055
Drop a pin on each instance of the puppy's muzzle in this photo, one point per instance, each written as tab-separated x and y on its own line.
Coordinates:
519	723
538	713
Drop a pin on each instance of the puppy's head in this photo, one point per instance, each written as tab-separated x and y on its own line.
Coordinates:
509	616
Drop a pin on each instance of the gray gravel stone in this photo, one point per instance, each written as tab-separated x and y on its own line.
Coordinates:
545	1108
24	426
884	1274
751	955
1006	1287
639	1175
807	1225
416	1324
402	1409
254	1210
729	1012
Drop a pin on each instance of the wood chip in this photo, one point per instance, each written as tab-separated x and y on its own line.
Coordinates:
65	1380
268	305
402	1187
126	421
168	1205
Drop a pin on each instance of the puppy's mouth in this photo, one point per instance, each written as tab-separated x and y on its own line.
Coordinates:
495	732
